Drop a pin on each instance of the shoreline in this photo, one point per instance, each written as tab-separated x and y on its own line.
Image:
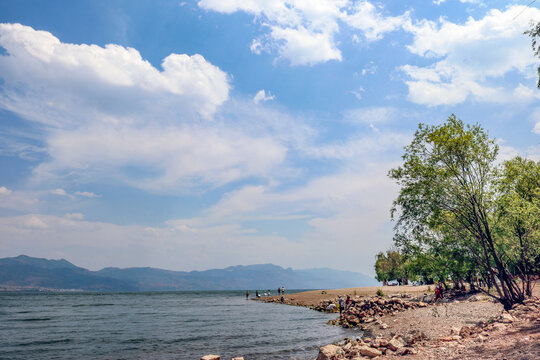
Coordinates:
466	326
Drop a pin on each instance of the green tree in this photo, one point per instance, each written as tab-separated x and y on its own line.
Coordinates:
390	266
518	211
447	197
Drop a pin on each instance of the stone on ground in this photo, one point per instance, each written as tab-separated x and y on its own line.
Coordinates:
328	352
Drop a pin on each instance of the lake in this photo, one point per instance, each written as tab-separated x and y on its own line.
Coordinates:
159	325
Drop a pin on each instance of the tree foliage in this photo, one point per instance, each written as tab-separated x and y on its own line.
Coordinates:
459	213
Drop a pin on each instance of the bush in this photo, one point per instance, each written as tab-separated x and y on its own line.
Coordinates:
380	293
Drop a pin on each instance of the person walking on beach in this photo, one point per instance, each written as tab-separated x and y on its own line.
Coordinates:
341	303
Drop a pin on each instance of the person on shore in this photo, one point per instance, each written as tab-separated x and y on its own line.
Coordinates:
247	295
438	292
348	302
283	290
257	294
341	303
282	298
279	291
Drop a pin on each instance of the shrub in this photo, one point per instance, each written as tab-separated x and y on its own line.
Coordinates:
380	293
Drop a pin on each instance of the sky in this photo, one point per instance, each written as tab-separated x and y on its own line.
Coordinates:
191	135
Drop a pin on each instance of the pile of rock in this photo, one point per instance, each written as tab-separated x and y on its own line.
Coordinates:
366	311
326	306
367	348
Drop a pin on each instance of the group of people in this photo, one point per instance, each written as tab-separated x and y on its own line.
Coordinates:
281	291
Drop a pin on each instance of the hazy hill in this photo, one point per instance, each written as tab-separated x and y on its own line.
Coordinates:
28	272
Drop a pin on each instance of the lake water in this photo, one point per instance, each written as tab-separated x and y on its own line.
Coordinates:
158	325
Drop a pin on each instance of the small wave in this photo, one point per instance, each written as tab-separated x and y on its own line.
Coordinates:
45	342
33	319
80	305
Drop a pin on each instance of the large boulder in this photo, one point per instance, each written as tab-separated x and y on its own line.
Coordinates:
328	352
211	357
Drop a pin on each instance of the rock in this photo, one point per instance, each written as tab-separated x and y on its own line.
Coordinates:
405	351
238	358
465	331
211	357
328	352
498	326
422	304
507	318
396	343
384	326
454	330
369	351
380	342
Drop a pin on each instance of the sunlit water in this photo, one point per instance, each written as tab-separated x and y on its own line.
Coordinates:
158	325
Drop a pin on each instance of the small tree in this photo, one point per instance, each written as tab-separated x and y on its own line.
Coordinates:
447	198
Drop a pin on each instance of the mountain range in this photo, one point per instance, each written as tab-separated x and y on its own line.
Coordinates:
29	273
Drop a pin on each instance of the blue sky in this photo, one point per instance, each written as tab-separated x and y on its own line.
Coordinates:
200	134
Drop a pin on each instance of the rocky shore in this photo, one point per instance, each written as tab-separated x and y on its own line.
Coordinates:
409	325
511	335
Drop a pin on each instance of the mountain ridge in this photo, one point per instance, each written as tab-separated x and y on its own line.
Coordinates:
24	272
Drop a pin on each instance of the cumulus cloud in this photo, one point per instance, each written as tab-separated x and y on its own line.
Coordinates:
60	83
303	32
108	113
469	57
4	191
262	96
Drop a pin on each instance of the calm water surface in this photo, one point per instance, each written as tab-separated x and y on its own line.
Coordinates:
158	325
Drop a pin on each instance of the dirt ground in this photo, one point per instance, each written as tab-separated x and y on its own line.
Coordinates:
440	324
313	298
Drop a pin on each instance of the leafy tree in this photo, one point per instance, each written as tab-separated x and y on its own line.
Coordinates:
390	266
447	199
518	211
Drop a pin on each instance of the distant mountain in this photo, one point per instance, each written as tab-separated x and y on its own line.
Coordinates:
34	273
26	272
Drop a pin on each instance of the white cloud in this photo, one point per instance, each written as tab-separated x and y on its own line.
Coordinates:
63	84
364	16
59	192
74	216
168	159
470	58
358	93
370	69
86	194
108	113
370	115
34	222
303	31
4	191
262	96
